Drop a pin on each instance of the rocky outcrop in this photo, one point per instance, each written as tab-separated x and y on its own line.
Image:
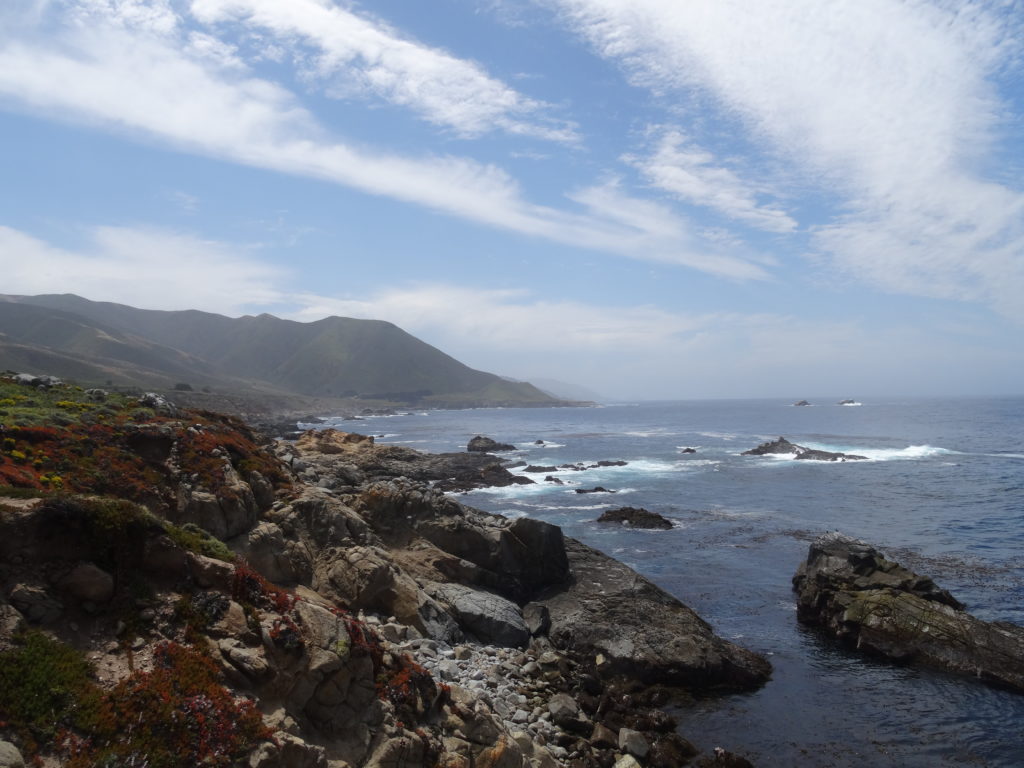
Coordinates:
782	446
481	444
801	403
850	590
629	627
635	518
351	461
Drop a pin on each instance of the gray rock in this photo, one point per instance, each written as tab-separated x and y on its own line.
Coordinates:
35	604
626	761
633	743
486	615
562	706
89	582
10	757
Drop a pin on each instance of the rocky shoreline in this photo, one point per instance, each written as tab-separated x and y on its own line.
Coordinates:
337	604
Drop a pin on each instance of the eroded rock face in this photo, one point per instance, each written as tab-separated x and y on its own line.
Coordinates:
849	589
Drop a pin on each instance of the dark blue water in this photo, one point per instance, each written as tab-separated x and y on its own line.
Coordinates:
943	492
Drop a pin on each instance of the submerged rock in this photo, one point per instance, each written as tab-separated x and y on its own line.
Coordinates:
635	518
784	447
848	588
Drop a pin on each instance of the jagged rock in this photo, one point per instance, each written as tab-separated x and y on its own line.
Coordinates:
596	489
283	561
489	617
783	446
641	631
537	618
481	444
851	590
365	577
635	518
88	582
230	512
10	756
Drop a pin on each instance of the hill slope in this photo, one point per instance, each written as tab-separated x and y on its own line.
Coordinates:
333	357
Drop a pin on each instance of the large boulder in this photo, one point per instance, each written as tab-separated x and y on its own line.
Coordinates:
489	617
634	629
874	604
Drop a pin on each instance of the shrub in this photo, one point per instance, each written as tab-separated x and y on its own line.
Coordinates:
193	538
178	715
43	685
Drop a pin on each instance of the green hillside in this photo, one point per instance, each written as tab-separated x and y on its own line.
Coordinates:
334	357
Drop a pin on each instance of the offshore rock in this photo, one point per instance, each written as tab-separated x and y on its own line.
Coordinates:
848	588
783	446
635	518
641	631
481	444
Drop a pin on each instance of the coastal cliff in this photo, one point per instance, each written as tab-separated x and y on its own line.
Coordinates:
175	591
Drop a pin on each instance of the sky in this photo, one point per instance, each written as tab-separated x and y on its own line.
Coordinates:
651	198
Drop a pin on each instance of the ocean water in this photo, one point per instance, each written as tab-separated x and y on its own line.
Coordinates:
942	491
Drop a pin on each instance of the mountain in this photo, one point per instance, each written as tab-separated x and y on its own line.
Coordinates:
337	357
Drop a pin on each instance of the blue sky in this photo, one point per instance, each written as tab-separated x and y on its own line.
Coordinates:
647	197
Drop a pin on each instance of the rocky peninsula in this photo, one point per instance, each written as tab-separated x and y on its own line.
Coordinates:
174	590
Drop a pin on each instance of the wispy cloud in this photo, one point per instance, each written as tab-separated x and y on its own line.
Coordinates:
692	174
142	78
356	53
892	106
624	349
150	268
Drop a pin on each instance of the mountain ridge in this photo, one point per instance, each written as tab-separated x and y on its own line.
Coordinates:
334	357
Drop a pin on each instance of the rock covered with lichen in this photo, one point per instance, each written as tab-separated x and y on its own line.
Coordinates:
851	590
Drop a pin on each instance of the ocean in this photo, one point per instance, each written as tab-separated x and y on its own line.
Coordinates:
942	492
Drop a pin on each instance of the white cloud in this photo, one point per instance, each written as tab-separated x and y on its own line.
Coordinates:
153	269
358	53
627	351
892	105
624	350
150	87
693	175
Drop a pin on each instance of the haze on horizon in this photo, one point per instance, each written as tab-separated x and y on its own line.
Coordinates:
651	199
